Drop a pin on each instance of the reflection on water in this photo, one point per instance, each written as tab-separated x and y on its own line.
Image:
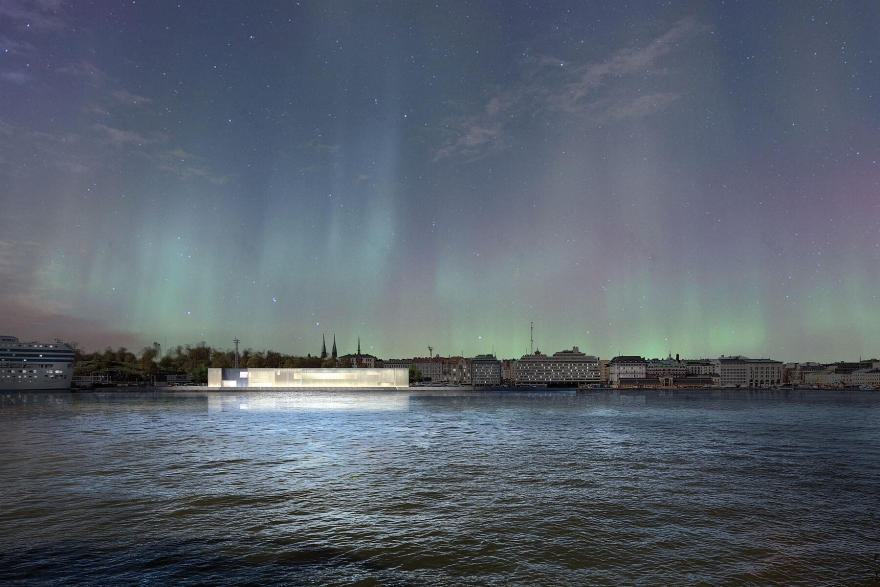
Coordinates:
314	400
440	487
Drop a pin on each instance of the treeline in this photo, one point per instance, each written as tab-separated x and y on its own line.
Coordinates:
146	367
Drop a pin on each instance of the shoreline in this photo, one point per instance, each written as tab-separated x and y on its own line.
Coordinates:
450	388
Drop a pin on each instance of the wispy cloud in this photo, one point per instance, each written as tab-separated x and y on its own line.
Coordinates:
187	166
125	97
60	151
10	46
15	77
640	106
84	69
121	137
34	14
470	137
318	146
584	92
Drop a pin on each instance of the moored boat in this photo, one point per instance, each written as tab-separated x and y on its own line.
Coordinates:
28	366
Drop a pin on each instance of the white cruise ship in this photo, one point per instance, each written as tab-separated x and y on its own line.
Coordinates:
34	365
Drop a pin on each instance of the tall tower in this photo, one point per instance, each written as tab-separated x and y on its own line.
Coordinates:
236	341
359	346
334	345
323	346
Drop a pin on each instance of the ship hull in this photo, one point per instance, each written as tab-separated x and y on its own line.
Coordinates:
57	384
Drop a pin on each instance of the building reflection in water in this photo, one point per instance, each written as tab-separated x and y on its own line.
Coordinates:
306	401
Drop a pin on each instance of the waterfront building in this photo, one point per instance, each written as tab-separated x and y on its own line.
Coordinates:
396	363
459	370
639	383
789	372
626	367
700	367
365	361
831	375
508	375
568	367
696	381
668	367
866	378
742	371
844	372
604	370
432	368
308	378
358	360
437	369
820	375
802	373
485	371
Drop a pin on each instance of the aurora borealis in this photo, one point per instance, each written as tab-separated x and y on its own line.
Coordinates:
697	178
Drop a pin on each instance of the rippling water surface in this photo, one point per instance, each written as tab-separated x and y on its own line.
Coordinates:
440	488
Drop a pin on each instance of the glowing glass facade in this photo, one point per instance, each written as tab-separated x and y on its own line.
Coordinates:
308	378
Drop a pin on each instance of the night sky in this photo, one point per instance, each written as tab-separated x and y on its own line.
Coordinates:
635	178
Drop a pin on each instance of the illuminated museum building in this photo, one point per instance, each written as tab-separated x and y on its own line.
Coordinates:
308	378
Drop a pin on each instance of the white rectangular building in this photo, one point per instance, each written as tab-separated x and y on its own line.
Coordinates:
308	378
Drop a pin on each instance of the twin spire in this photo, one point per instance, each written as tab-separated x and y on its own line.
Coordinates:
333	352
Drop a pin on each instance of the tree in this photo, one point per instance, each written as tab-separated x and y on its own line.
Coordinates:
273	359
148	361
414	374
199	374
222	359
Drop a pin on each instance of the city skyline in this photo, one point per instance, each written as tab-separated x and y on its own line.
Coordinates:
688	178
163	349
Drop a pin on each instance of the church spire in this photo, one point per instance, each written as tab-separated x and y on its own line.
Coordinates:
323	346
334	345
